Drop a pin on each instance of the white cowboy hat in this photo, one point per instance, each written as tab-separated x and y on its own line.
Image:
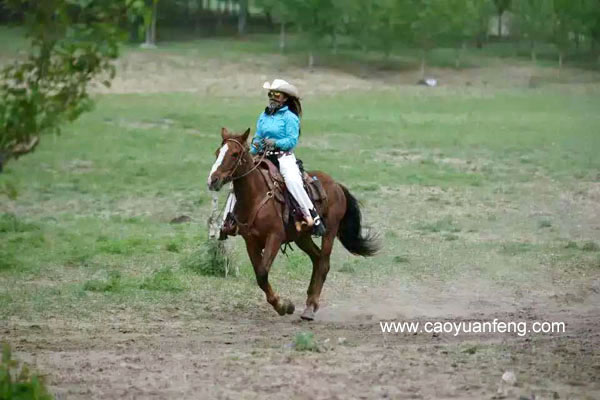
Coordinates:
282	86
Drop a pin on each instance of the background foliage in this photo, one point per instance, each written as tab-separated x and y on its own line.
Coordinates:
73	42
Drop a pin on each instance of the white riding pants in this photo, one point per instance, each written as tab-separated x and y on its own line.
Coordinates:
293	181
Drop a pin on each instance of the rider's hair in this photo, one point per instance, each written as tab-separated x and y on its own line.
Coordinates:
294	105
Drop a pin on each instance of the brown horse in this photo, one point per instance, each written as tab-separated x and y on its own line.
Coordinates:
264	231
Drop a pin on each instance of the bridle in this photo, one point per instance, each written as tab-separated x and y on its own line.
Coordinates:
240	159
246	226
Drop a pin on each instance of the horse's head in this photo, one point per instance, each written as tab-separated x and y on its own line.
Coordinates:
229	157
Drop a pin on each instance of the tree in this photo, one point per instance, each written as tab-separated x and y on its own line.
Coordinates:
468	19
315	19
281	10
592	18
535	21
501	7
150	15
242	16
431	20
564	22
72	43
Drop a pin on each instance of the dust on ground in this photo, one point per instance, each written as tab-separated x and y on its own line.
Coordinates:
186	353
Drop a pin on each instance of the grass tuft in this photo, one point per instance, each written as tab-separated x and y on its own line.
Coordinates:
515	248
163	280
305	341
590	246
571	245
17	382
7	260
173	247
445	224
11	223
112	284
210	259
400	259
348	268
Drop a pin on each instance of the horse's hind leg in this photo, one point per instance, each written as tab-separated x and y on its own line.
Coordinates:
262	265
314	295
306	244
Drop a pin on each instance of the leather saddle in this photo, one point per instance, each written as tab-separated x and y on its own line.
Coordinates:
291	209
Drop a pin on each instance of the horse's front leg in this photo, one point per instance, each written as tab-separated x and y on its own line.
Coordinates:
262	259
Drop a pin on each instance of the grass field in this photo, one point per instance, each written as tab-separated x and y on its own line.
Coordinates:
486	199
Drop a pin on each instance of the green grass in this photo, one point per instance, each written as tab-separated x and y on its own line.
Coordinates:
305	341
449	176
209	259
445	224
16	380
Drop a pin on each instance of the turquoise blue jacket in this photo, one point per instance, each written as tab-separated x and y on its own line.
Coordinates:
283	127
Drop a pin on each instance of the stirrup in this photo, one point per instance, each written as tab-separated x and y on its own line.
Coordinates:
318	227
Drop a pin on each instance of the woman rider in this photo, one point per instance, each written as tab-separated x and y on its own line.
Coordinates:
278	128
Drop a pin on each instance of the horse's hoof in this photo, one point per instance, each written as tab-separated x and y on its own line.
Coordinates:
308	314
280	310
289	307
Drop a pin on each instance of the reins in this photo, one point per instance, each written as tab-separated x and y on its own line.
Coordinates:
239	161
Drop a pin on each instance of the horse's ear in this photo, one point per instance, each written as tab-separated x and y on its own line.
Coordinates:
245	135
224	133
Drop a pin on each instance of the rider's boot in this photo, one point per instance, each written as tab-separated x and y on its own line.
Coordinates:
229	227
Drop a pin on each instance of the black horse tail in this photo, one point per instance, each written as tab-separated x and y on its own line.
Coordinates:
350	231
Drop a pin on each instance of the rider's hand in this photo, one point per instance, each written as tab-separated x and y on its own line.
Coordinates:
269	143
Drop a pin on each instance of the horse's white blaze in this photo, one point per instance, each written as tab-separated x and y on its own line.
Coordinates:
219	161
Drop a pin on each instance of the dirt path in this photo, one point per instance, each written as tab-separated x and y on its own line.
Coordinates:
182	354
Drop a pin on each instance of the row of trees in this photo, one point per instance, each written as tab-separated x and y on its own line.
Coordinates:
381	24
384	24
74	41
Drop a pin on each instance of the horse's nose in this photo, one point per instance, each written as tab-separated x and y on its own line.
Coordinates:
213	183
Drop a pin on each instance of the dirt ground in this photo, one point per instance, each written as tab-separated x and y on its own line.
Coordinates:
147	73
182	354
198	353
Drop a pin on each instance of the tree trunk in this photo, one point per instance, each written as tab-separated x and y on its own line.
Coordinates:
422	64
560	61
516	46
334	42
500	25
154	13
148	37
282	36
311	60
533	53
459	53
220	11
150	41
242	17
269	19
